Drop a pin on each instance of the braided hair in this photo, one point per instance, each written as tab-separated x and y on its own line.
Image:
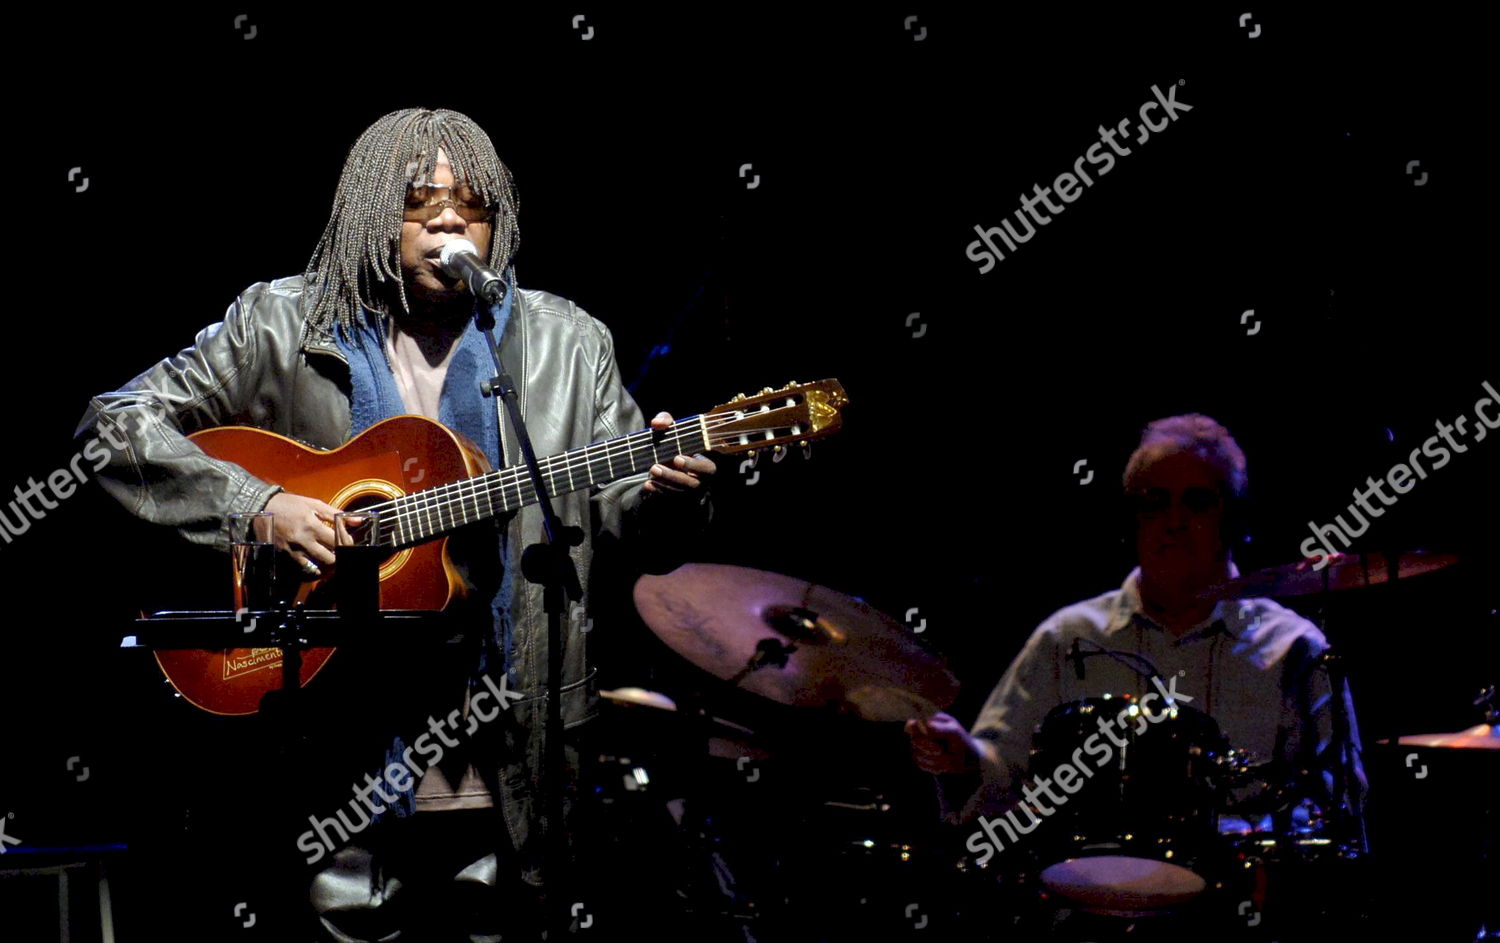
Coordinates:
358	258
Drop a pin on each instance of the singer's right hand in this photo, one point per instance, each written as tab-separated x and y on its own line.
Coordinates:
940	744
303	528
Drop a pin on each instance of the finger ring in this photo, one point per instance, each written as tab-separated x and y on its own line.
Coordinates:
311	568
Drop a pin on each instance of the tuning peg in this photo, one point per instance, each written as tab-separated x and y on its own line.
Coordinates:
737	397
767	390
806	449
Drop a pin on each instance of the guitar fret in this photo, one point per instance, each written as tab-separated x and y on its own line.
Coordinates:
434	512
463	501
403	519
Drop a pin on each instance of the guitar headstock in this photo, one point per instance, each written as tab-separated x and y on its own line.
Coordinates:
772	419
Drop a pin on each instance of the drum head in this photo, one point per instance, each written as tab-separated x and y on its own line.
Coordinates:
1118	885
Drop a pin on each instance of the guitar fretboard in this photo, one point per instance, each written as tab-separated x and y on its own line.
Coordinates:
421	516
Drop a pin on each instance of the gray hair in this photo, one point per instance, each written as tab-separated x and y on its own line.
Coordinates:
1198	435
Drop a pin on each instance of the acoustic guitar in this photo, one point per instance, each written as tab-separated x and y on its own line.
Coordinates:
426	481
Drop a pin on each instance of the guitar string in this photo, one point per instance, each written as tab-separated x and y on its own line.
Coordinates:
454	504
443	497
502	479
411	509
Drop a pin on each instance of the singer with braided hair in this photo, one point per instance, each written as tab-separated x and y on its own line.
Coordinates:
376	327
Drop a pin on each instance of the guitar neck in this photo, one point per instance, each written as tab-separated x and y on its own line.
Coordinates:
424	515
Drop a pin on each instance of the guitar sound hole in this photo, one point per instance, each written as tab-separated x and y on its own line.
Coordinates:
355	574
386	550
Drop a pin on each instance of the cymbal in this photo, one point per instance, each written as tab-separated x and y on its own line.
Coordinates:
1480	737
639	697
815	647
1343	571
724	738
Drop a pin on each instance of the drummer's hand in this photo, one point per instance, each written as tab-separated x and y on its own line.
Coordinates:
940	744
683	473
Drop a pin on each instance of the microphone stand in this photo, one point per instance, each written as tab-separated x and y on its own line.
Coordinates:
548	565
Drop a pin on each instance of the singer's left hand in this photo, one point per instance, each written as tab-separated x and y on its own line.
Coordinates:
683	474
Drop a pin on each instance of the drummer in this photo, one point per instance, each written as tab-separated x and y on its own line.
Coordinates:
1248	663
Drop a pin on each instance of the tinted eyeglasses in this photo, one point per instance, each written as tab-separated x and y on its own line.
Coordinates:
1150	502
429	200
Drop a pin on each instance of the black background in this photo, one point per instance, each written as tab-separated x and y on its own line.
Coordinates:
211	161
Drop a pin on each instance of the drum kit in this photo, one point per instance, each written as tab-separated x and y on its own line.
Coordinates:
1182	833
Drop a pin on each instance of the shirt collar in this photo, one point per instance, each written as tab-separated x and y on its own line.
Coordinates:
1127	609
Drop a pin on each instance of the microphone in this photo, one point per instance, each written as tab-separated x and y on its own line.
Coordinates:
460	259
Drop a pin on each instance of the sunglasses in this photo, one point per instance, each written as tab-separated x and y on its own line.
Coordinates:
429	200
1155	501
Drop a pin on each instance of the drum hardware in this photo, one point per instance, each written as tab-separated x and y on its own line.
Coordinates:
1461	767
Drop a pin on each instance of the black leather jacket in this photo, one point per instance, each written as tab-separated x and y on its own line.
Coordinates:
264	366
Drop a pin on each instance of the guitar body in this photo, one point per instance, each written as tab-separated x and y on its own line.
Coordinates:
390	459
434	481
